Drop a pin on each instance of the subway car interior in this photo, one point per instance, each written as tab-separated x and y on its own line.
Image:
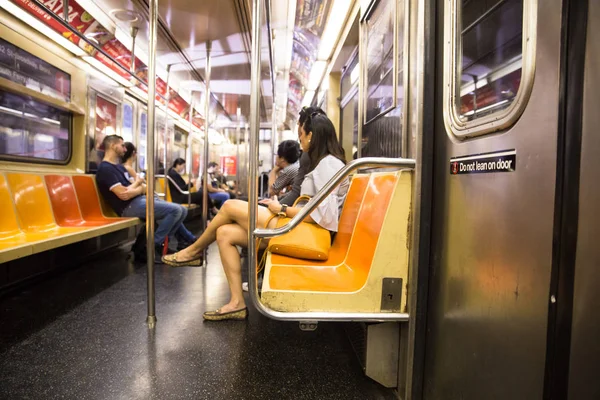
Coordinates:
441	244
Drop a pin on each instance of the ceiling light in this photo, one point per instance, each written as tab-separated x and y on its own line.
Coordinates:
333	28
308	98
316	74
107	71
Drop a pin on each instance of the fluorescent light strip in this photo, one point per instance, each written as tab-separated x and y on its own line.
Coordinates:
333	28
316	74
10	110
41	27
107	71
308	97
52	121
482	109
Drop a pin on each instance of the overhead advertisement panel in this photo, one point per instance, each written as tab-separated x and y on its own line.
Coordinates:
84	23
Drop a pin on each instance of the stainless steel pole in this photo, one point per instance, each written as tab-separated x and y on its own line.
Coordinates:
66	10
206	126
191	117
134	32
238	132
257	7
273	136
166	134
151	319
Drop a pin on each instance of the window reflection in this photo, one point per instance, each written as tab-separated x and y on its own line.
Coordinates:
32	129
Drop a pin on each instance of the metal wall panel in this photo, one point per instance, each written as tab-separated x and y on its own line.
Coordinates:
492	246
585	335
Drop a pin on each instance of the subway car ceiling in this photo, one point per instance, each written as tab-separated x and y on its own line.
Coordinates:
298	42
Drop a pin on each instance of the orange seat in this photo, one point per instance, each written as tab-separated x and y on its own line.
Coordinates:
352	253
65	205
34	212
10	234
90	202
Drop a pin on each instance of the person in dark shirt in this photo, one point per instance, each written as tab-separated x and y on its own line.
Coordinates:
196	197
128	199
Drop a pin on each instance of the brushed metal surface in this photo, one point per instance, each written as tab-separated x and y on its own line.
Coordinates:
585	334
492	247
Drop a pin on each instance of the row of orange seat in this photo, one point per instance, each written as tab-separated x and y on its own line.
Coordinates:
41	212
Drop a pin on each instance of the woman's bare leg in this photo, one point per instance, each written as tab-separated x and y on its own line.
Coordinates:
232	211
228	236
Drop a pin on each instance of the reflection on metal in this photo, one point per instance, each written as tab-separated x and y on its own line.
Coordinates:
166	134
257	8
382	353
391	294
206	143
304	212
151	319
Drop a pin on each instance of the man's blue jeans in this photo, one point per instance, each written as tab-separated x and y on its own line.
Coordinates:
169	217
219	198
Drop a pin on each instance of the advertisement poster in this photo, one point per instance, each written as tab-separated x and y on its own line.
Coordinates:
229	165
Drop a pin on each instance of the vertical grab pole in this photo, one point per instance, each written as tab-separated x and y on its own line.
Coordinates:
253	151
191	117
206	126
237	147
151	319
66	10
166	135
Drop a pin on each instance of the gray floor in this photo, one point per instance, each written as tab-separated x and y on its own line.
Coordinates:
82	335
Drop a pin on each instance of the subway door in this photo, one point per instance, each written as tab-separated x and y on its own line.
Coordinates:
585	334
495	160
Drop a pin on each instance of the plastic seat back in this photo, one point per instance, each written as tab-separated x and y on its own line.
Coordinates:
31	202
64	200
89	199
370	220
159	186
9	225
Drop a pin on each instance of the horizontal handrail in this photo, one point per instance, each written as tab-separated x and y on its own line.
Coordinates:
367	162
184	192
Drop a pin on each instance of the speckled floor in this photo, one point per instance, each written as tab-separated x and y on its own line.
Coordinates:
82	335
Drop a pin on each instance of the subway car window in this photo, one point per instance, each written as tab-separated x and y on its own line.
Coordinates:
127	131
491	59
30	129
380	60
141	151
105	123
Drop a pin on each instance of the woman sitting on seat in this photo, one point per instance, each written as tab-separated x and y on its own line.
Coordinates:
196	197
129	160
230	227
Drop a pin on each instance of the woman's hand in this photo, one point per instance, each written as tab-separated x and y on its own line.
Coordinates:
274	205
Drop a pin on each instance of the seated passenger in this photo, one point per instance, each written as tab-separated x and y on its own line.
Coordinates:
128	199
230	227
218	195
286	167
129	160
290	197
196	197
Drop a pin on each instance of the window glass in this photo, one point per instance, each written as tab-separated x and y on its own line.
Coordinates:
127	131
350	76
141	151
32	129
380	60
490	74
105	124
